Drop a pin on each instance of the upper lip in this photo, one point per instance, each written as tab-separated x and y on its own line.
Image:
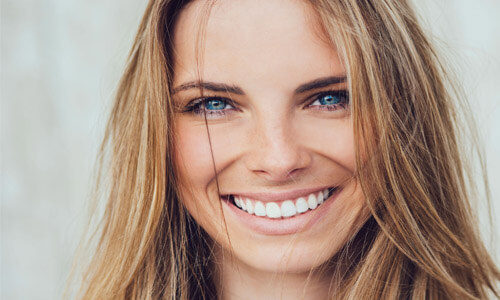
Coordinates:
281	196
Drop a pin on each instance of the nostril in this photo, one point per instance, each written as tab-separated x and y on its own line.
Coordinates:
276	175
271	166
293	172
277	154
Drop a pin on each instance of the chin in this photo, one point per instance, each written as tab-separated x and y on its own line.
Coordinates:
295	258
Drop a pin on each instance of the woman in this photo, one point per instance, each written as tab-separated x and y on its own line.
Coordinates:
285	149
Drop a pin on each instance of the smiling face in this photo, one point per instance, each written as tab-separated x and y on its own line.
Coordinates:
279	129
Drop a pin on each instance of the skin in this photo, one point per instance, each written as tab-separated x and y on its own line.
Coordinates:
273	140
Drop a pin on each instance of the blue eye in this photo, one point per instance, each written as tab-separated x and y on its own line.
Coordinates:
332	100
211	107
215	104
329	100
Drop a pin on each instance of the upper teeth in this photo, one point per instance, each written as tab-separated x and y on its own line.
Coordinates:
288	208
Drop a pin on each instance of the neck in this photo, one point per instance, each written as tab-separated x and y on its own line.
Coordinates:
240	281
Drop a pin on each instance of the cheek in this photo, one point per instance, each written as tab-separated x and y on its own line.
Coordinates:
332	139
193	158
342	144
194	152
196	173
195	165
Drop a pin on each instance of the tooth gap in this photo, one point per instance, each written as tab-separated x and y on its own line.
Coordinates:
331	191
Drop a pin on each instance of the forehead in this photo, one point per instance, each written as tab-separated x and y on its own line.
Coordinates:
275	43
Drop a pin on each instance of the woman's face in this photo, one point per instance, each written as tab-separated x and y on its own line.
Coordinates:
280	136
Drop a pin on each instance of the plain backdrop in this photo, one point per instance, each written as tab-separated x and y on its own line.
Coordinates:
60	64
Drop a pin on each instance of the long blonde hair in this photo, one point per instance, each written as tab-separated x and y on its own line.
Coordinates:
421	241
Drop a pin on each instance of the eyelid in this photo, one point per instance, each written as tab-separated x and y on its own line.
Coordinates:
311	99
200	100
193	106
197	107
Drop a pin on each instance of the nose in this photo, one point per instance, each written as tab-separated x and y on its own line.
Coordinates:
277	153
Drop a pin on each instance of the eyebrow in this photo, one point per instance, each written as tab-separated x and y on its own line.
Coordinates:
221	87
211	86
319	83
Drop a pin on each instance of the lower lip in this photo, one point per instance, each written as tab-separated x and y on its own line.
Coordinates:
282	226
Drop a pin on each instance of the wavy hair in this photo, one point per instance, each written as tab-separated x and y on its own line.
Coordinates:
421	241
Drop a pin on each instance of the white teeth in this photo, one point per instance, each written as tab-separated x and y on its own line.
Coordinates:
301	205
249	206
320	198
237	202
273	210
288	209
312	203
260	210
312	199
283	209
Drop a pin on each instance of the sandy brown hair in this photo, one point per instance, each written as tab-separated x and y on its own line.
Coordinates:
422	240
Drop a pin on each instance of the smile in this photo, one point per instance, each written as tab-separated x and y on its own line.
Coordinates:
282	209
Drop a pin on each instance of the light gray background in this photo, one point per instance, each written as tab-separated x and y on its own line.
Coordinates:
60	63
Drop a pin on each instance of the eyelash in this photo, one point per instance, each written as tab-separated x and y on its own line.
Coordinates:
197	106
342	104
